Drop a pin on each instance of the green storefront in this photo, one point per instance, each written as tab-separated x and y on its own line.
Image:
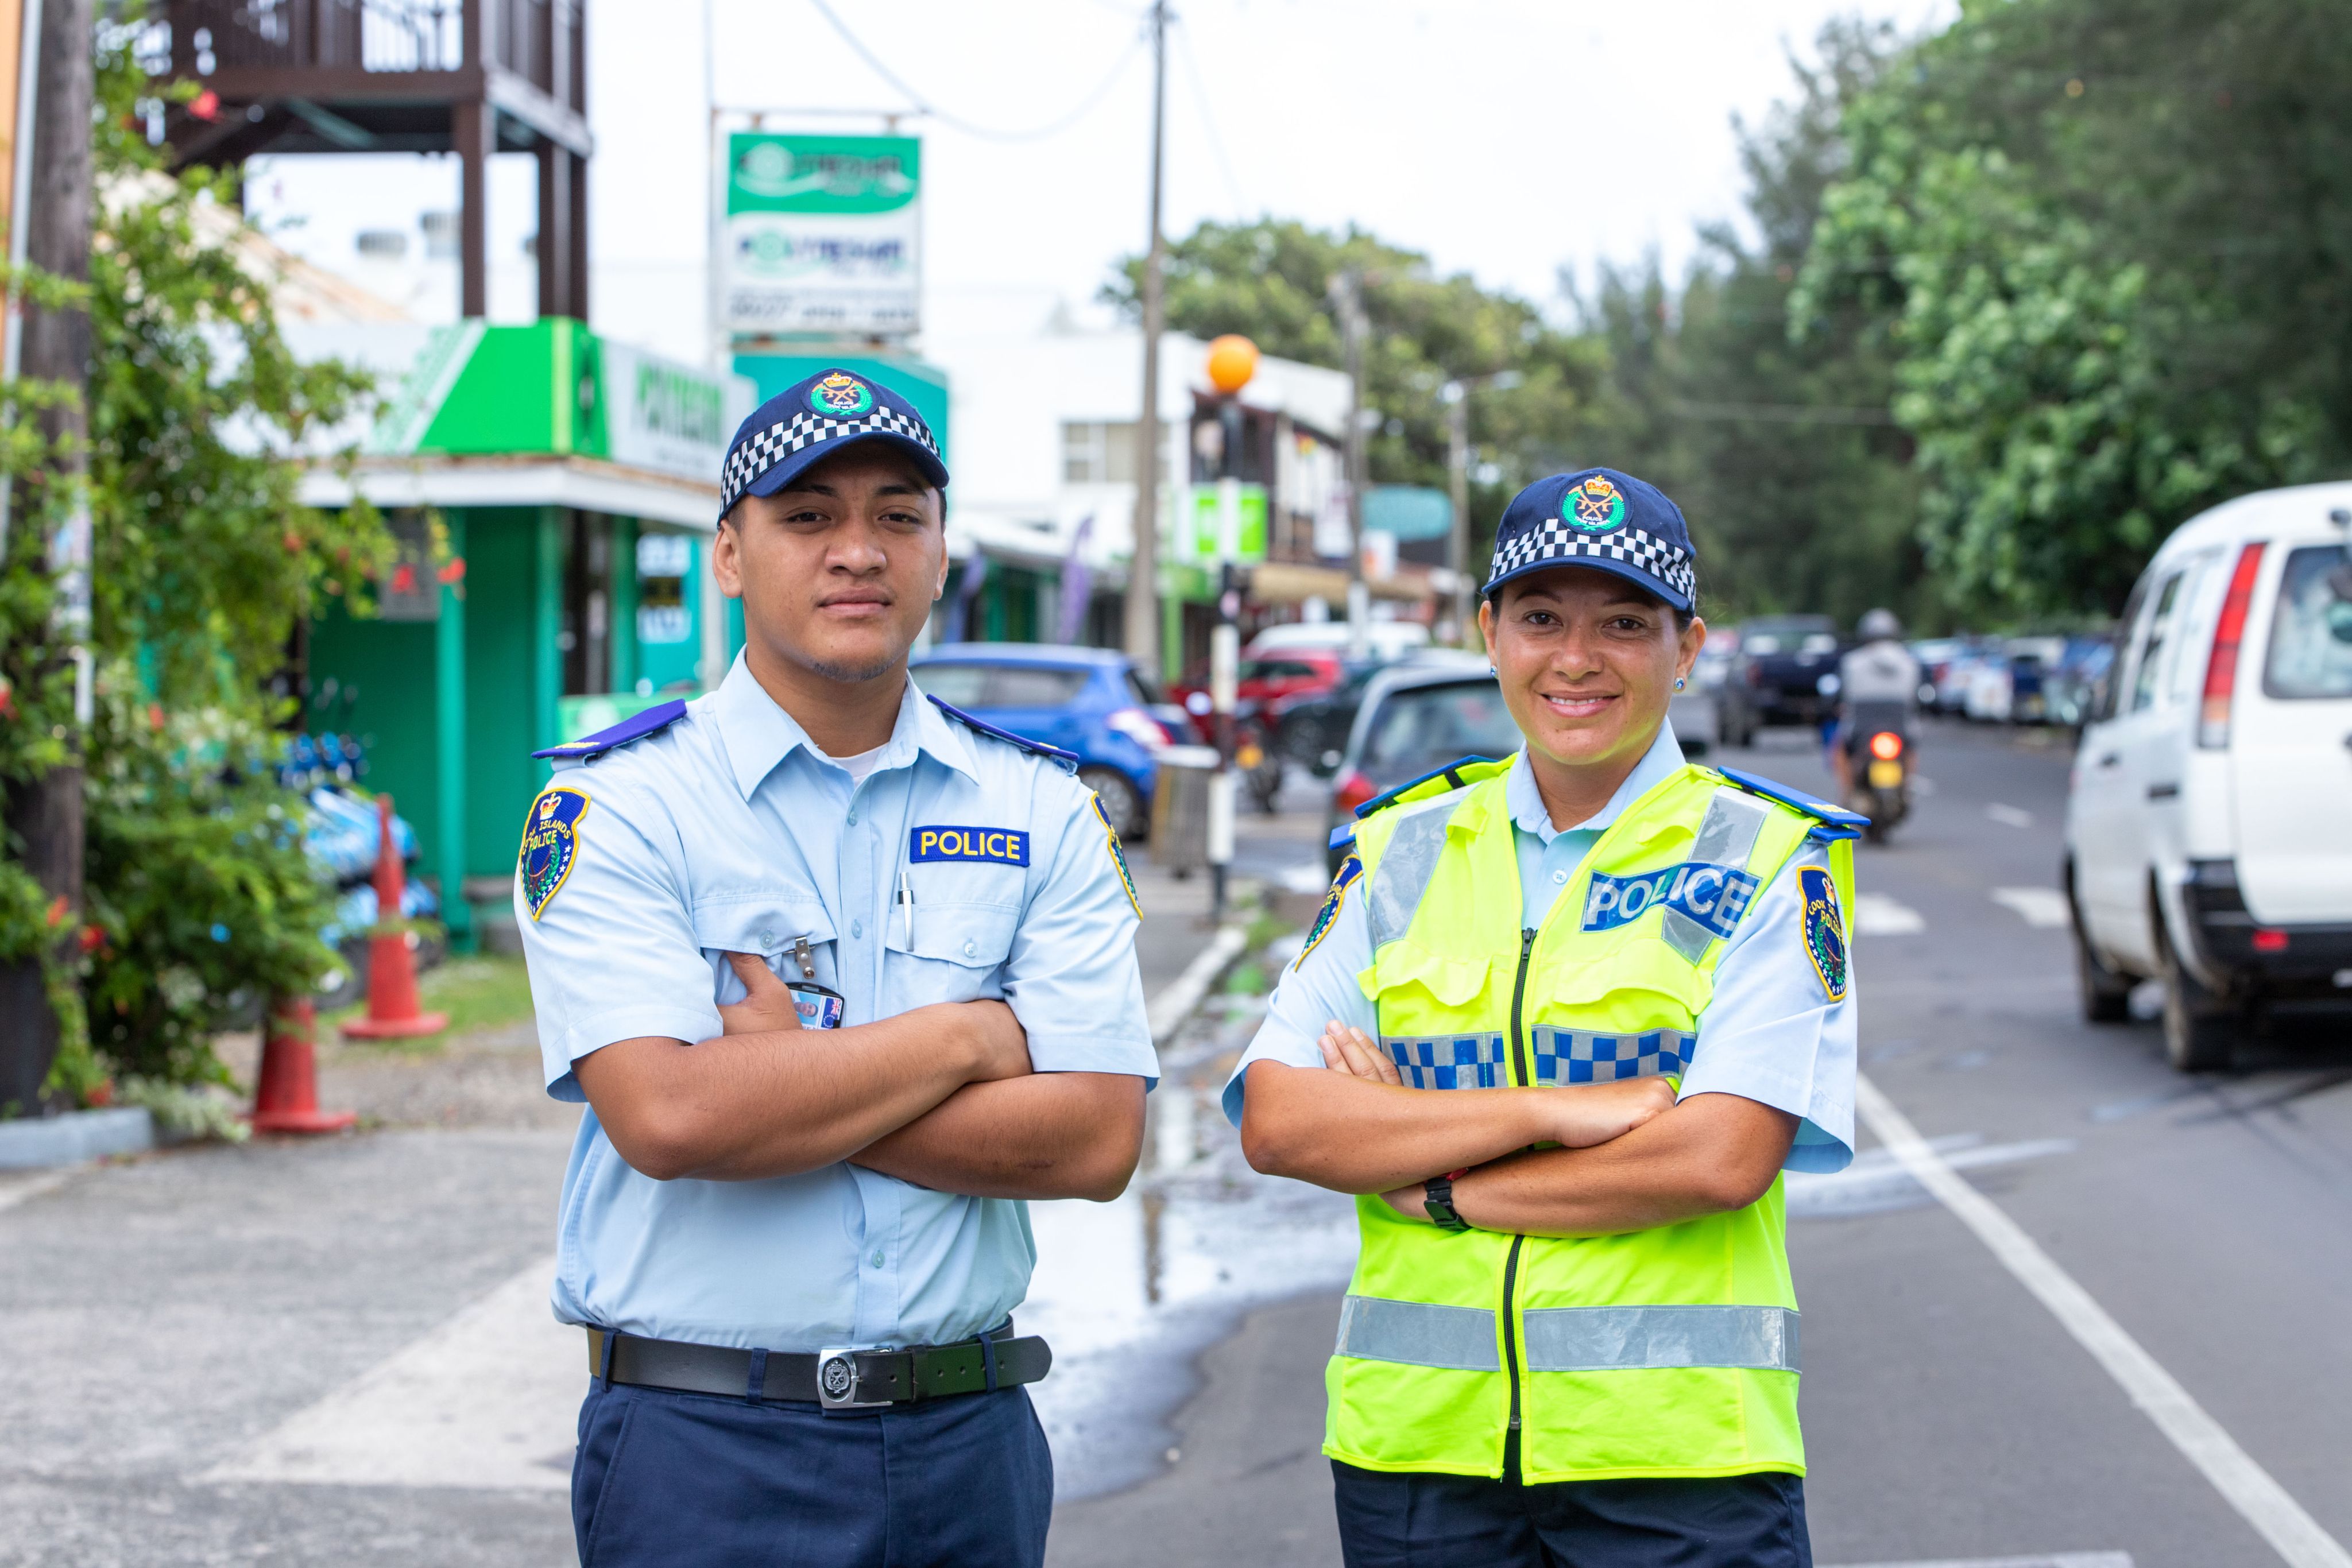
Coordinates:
554	495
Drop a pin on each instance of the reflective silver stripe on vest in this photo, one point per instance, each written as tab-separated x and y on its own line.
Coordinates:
1373	1328
1611	1339
1726	837
1405	868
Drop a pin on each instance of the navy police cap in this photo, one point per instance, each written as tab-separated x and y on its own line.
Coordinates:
1600	518
808	423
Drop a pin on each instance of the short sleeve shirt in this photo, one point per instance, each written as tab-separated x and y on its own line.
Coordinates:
1772	1033
728	830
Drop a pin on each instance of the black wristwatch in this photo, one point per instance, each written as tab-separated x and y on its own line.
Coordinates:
1437	1196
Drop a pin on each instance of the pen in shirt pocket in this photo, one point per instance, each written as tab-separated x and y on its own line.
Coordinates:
907	903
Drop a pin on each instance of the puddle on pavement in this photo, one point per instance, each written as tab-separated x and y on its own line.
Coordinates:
1130	1293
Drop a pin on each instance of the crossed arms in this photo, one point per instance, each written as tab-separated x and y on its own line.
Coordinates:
1630	1156
941	1096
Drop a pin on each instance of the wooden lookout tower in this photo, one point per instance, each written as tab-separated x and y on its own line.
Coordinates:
472	77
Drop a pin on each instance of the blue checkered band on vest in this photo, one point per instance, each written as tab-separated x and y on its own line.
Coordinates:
758	453
1450	1062
1554	541
1575	1056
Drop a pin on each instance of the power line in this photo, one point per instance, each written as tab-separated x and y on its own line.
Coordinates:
1209	121
986	133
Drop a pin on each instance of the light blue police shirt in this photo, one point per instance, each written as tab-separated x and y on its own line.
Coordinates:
1771	1034
729	829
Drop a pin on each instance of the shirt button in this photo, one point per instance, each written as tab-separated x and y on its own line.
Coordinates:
858	929
767	939
969	949
1559	877
853	819
877	1258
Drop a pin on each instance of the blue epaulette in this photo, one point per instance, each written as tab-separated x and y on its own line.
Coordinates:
1069	759
1835	823
637	726
1345	833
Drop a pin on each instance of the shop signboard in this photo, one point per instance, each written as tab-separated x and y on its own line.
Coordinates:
824	234
554	387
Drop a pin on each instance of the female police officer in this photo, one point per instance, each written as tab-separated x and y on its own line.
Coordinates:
1586	1352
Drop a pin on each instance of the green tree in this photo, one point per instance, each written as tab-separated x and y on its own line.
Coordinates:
201	901
2109	244
1782	455
1271	280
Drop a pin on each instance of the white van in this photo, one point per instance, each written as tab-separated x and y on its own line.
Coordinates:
2209	826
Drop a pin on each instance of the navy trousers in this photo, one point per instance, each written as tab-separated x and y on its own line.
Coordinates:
1417	1521
695	1480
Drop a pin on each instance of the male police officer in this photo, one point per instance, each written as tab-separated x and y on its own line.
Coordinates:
790	1222
1571	1336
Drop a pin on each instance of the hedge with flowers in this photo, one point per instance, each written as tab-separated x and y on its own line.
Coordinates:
200	902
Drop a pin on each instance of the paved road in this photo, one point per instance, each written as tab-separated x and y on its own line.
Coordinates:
1949	1415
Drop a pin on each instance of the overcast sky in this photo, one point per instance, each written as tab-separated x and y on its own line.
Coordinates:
1506	137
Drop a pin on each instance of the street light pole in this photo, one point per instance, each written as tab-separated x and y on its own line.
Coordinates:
1347	293
1143	565
1457	477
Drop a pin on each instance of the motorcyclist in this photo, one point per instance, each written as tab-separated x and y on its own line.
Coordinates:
1878	688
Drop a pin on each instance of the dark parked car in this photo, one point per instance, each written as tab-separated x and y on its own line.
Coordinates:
2071	690
1091	701
1776	673
1414	719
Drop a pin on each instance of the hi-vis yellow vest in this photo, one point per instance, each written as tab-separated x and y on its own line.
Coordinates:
1670	1351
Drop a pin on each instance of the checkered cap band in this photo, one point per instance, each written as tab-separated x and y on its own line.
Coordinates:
1554	541
1449	1062
1578	1056
758	453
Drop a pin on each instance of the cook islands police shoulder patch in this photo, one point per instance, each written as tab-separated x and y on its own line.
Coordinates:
1333	902
551	843
1824	929
1117	856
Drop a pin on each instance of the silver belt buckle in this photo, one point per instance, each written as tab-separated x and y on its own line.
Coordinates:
836	1380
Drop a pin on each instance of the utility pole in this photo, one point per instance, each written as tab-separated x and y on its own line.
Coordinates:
1347	295
1455	394
45	814
1457	484
1143	567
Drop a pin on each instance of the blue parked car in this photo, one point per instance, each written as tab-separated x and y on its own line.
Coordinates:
1091	701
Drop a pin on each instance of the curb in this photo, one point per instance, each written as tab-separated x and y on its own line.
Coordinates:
1182	996
77	1137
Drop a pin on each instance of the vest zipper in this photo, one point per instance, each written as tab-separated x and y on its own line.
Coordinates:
1511	1262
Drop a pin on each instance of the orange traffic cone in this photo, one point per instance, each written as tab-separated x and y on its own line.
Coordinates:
392	974
286	1098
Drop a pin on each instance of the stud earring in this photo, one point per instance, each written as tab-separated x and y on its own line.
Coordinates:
1680	684
1492	671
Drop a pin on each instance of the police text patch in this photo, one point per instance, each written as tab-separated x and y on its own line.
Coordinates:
1824	929
550	845
1001	846
1714	895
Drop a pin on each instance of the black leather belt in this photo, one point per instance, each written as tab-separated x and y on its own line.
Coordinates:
838	1379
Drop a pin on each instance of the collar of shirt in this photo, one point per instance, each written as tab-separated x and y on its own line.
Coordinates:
758	733
1526	801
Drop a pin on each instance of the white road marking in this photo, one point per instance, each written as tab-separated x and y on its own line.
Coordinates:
1875	914
1176	1000
14	1190
2055	1560
1307	876
2244	1485
2009	815
2038	906
488	1400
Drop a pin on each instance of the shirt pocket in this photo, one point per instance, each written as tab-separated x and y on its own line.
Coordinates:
772	925
956	952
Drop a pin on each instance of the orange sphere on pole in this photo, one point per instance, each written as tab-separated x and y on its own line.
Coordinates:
1232	360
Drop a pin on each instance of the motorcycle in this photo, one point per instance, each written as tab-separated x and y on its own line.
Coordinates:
1880	789
1255	754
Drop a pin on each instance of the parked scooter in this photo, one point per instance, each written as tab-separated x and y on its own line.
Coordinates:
1256	755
